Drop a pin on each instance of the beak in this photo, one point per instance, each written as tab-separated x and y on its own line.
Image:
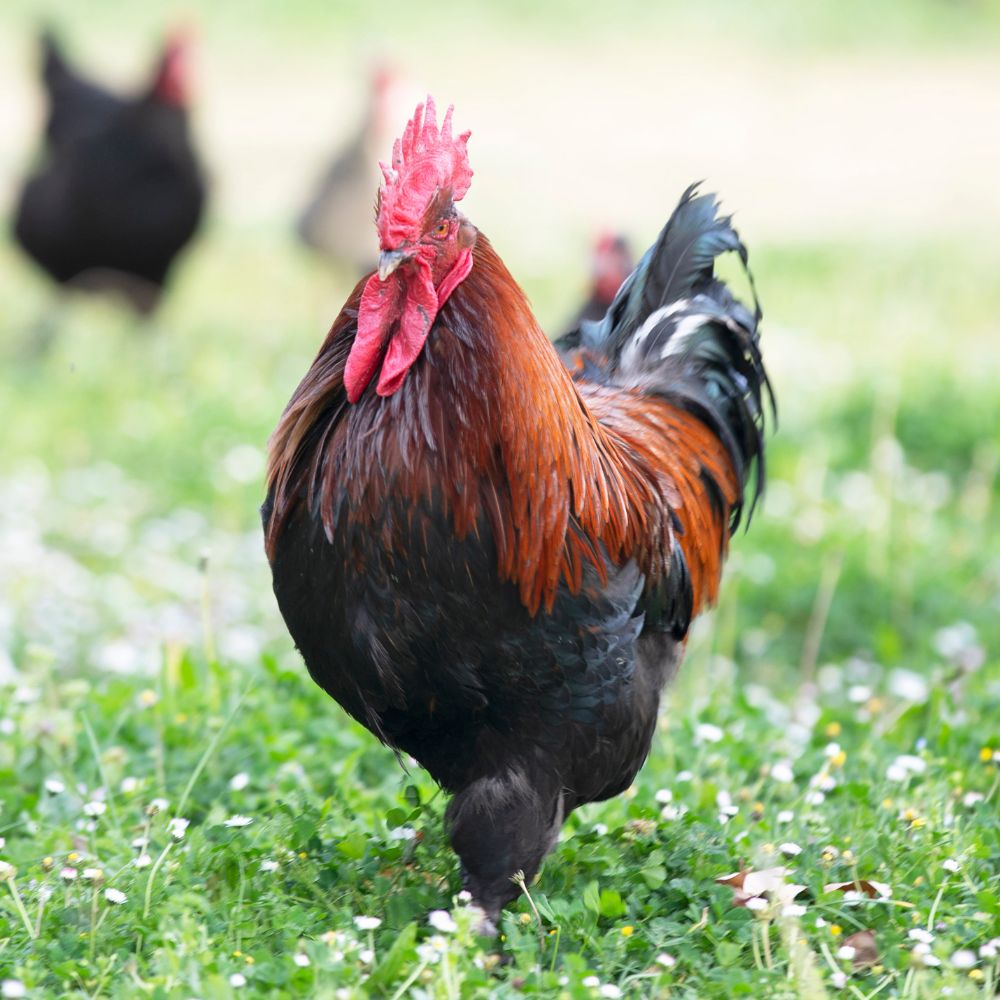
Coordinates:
389	260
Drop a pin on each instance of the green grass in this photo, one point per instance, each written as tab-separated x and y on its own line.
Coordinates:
134	452
142	658
774	24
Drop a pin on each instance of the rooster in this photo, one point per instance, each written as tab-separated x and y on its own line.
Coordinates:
489	563
120	191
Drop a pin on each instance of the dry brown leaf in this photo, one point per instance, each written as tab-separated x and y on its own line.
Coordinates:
749	884
865	948
875	890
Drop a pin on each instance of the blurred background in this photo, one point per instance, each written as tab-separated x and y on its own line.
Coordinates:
857	143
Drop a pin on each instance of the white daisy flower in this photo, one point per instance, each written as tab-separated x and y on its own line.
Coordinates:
846	952
13	989
115	896
705	732
95	808
54	786
177	826
237	979
268	865
441	920
367	923
964	958
790	850
238	821
239	781
301	959
782	772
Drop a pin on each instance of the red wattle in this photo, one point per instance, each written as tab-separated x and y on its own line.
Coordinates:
381	304
419	310
410	297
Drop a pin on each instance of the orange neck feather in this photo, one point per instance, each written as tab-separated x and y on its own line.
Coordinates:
494	427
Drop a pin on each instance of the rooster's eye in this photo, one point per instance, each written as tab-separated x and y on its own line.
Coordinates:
440	231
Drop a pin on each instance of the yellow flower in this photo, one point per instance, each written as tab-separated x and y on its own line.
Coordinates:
525	918
887	803
148	698
875	705
977	974
838	759
986	754
303	855
832	729
248	959
836	930
910	815
919	880
237	953
628	930
47	864
72	856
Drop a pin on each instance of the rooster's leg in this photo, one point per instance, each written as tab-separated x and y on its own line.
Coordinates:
501	825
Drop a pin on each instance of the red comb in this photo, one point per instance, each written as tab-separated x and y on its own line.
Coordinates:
426	160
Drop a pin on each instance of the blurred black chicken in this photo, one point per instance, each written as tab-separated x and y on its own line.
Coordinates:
119	191
336	221
611	263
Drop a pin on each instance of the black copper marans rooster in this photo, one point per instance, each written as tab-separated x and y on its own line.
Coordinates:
493	564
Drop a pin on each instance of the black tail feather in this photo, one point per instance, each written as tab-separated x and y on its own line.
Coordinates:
676	330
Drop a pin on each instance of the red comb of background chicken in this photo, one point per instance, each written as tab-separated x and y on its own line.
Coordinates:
171	85
425	160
